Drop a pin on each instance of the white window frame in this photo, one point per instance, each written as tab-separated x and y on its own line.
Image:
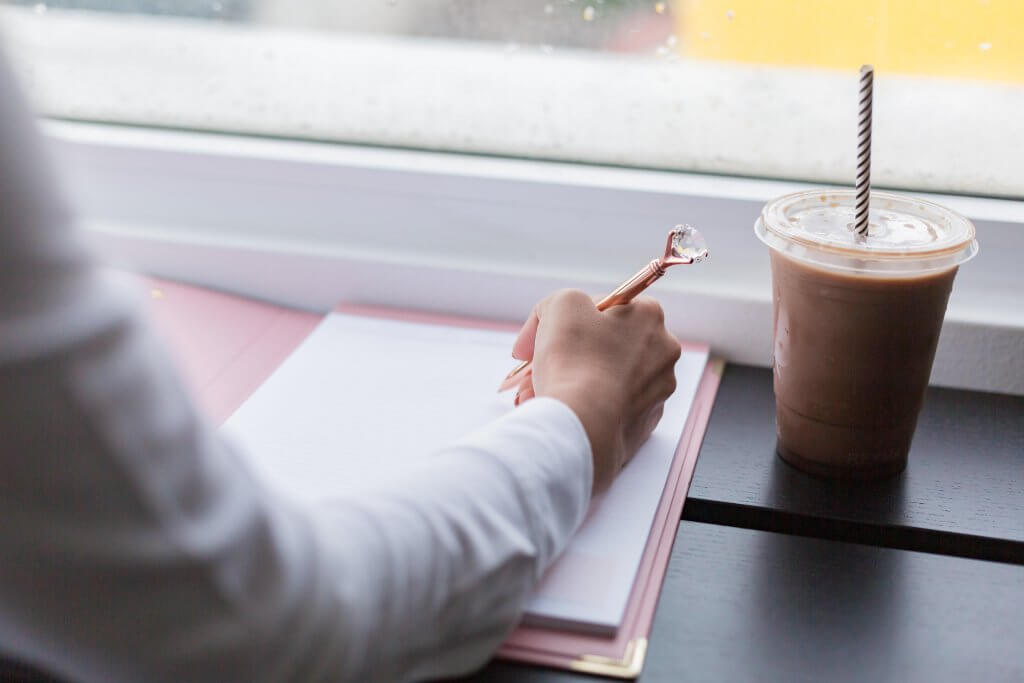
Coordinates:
311	224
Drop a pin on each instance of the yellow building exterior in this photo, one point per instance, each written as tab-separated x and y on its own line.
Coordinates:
973	39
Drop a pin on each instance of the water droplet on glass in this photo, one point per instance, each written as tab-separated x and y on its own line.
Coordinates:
660	7
984	46
549	9
688	243
39	8
729	14
588	13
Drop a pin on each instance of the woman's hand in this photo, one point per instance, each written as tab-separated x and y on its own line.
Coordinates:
613	368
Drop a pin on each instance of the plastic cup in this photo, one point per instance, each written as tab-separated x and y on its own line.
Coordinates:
855	324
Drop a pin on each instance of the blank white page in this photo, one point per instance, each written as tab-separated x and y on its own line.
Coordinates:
361	397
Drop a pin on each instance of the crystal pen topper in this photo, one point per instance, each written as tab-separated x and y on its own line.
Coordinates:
685	245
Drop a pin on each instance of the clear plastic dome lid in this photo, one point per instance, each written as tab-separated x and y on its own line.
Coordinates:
905	234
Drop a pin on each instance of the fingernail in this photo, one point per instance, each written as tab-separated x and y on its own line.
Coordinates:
516	401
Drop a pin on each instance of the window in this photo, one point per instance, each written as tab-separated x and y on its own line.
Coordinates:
497	149
738	87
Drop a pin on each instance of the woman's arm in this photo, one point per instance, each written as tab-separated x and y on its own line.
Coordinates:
137	547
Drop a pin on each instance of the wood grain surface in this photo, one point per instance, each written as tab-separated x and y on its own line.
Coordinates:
962	492
747	605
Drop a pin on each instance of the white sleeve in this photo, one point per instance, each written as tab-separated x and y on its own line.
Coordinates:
135	545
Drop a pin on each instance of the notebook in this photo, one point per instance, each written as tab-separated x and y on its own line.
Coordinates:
435	378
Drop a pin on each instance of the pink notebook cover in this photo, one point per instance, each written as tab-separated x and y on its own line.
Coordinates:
228	346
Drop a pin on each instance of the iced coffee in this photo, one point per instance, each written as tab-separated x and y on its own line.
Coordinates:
856	320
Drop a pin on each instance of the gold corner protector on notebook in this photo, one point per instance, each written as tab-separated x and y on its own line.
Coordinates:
717	366
630	666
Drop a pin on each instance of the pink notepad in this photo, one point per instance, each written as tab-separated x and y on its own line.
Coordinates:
229	347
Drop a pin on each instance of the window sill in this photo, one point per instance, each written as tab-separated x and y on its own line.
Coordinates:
309	224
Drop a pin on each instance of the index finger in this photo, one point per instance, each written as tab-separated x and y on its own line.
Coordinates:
522	349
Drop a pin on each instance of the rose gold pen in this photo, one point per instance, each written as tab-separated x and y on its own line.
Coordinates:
685	245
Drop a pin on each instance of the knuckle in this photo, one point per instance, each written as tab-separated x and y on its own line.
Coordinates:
573	299
573	295
664	388
566	300
675	350
651	308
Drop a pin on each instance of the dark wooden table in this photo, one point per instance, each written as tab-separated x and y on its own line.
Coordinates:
779	576
962	492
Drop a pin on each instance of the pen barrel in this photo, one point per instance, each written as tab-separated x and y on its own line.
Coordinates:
629	289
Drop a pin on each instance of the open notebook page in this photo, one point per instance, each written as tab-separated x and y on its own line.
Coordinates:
366	395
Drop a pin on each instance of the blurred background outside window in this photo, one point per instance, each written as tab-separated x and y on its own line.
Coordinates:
754	88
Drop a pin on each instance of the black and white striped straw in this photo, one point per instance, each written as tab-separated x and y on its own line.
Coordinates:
867	77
